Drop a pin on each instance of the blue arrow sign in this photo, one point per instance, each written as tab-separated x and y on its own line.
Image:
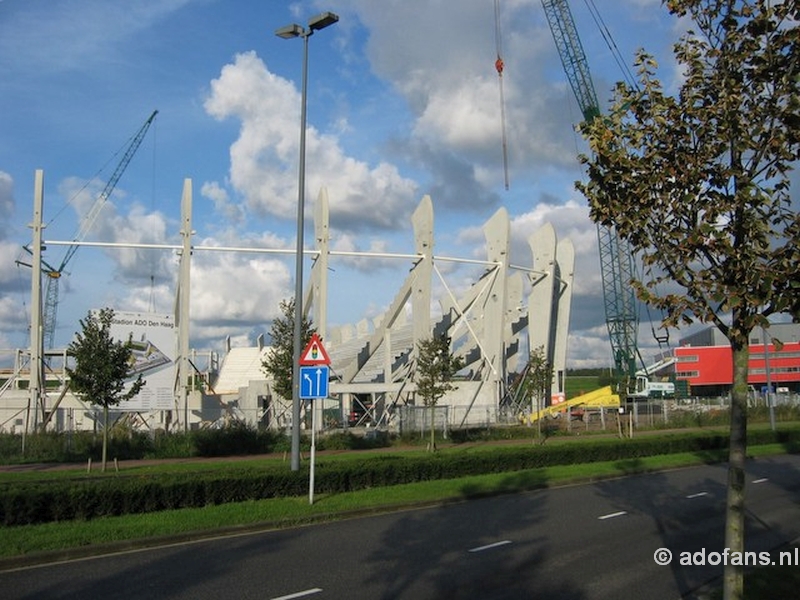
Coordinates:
313	382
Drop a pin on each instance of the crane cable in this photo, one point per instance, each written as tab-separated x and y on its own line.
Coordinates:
153	260
630	80
499	65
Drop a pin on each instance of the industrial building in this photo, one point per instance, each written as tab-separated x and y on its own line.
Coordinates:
704	360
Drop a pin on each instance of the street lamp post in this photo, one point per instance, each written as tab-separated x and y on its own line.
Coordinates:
294	30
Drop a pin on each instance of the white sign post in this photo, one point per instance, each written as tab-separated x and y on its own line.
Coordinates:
313	453
314	361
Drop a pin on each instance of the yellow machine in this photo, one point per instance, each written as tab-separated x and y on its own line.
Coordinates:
602	397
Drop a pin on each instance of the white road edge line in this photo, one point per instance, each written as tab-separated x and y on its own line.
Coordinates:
299	594
697	495
612	515
489	546
762	480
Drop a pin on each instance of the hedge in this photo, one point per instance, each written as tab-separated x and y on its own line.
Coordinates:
60	500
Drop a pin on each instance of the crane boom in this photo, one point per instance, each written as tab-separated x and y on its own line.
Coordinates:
616	260
54	275
91	216
573	58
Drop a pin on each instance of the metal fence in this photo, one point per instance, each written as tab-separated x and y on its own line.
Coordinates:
413	419
686	412
406	419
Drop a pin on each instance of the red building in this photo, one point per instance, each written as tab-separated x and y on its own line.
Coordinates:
705	360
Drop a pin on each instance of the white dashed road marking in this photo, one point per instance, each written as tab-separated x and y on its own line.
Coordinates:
299	594
490	546
613	515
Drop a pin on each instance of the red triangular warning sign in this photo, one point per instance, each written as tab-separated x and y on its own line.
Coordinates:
314	353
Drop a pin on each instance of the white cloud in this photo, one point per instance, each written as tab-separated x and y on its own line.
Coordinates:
264	157
11	313
411	106
571	221
346	242
230	212
446	75
10	275
6	201
138	226
589	348
235	290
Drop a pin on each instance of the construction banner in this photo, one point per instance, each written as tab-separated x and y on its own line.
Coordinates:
153	338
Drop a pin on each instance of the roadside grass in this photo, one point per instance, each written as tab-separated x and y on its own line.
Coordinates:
98	535
180	466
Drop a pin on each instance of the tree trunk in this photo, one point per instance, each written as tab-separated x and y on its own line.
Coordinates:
105	437
733	586
432	443
539	416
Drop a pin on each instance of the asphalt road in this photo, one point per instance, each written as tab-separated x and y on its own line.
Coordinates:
592	541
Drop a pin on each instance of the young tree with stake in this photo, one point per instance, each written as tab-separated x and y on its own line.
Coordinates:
279	363
538	377
435	368
699	185
102	367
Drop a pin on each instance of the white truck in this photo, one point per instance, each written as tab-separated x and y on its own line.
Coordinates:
652	389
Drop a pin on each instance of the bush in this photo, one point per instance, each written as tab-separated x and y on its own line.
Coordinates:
125	444
344	440
489	434
88	498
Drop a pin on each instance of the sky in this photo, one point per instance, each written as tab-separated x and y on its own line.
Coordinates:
403	101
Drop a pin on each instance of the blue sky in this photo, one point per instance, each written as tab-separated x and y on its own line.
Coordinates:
403	101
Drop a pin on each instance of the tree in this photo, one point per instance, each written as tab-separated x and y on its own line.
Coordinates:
279	363
102	367
537	381
435	368
699	185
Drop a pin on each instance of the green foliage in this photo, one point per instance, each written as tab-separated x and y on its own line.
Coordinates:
26	502
51	447
347	441
488	434
538	377
102	367
699	185
171	445
102	364
102	497
236	440
435	367
279	363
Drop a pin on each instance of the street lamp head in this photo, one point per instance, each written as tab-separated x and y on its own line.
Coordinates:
289	31
322	20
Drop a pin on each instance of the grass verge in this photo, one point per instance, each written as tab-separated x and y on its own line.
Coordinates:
51	541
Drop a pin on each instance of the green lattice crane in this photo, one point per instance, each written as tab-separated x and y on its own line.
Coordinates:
53	274
616	260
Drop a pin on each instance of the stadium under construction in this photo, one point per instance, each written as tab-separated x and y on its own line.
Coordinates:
506	313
